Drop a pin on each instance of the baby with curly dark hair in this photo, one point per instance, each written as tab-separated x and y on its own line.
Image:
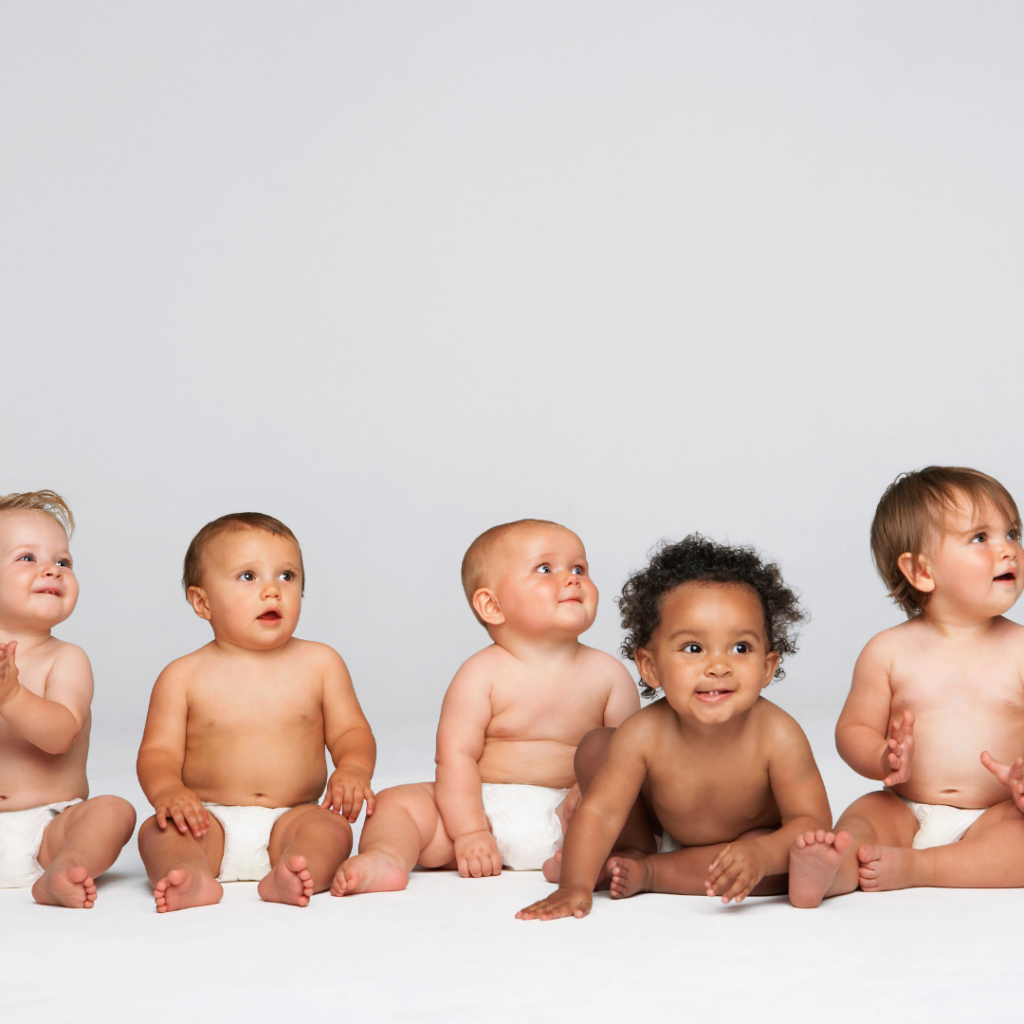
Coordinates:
705	790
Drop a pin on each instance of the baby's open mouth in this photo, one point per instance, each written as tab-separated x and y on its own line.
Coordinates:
49	590
1007	577
712	696
271	615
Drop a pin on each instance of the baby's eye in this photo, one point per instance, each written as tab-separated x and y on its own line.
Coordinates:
544	568
691	648
247	576
978	538
26	558
1013	535
577	570
741	648
287	576
64	562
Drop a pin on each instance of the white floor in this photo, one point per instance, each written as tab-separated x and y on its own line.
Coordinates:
449	949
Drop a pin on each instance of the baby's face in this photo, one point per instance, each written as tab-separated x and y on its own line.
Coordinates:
542	582
976	564
37	586
251	589
709	653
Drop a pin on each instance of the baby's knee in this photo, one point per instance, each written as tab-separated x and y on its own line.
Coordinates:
148	831
591	752
118	811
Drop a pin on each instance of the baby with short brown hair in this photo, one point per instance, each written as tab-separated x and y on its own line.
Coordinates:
232	758
936	709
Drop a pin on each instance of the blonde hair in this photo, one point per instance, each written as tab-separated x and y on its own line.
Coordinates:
48	502
232	523
476	561
914	507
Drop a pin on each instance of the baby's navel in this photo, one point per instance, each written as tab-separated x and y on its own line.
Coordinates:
948	791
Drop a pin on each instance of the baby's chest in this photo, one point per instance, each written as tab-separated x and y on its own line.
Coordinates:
958	689
255	709
538	715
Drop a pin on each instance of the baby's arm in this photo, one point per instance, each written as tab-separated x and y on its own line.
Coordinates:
623	698
162	755
54	721
465	715
597	823
350	741
863	738
803	806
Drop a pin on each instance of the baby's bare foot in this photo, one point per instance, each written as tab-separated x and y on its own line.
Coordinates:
289	881
373	871
552	867
887	867
629	875
70	887
814	860
186	887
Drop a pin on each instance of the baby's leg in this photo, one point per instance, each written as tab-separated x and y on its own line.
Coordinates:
990	856
182	869
636	838
306	846
78	846
683	872
825	863
404	830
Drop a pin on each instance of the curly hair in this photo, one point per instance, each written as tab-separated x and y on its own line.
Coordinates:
699	559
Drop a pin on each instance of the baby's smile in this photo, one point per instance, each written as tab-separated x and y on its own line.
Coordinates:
712	696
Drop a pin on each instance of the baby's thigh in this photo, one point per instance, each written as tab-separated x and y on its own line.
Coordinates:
416	800
997	814
110	819
879	817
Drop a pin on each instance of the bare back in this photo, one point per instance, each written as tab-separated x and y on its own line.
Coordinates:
966	696
30	776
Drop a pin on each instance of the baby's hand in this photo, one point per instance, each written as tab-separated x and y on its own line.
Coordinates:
8	671
476	854
571	802
736	870
184	808
347	788
1011	776
561	903
901	750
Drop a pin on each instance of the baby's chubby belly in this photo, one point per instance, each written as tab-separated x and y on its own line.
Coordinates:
946	767
265	771
528	762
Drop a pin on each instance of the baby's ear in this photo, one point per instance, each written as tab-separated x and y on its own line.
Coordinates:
771	664
916	572
485	604
645	667
197	598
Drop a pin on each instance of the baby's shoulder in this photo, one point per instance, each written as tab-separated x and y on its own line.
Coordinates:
777	726
481	668
314	653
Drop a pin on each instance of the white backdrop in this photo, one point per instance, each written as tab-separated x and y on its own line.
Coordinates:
395	272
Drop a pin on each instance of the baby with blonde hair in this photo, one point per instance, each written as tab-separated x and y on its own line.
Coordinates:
52	836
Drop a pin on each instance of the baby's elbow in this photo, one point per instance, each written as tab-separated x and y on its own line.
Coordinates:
62	744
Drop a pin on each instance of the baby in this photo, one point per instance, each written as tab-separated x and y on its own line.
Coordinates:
232	758
51	836
936	709
510	721
706	790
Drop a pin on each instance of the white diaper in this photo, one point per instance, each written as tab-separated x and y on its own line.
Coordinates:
940	824
666	844
524	823
246	837
21	835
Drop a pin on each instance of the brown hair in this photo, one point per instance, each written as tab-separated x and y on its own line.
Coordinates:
480	552
232	523
48	502
913	508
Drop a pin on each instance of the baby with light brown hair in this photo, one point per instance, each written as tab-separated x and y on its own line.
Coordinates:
53	837
232	758
936	709
510	722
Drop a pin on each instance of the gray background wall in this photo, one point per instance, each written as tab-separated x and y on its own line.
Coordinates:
397	272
